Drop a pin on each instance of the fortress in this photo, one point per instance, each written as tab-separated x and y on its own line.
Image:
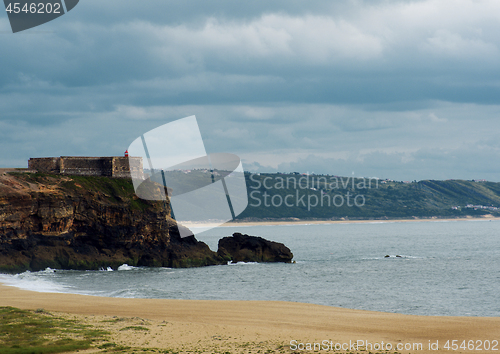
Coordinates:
113	166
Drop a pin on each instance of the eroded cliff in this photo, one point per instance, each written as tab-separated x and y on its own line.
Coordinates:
76	222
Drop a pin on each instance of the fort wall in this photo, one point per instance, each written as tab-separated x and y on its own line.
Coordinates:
113	166
45	164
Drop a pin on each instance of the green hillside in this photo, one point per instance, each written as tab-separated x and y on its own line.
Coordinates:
277	196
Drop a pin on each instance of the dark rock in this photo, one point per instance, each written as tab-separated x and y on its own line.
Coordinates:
75	222
244	248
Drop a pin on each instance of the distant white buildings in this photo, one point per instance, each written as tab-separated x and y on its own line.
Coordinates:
476	207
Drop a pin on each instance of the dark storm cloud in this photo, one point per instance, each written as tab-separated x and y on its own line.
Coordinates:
284	52
282	83
192	12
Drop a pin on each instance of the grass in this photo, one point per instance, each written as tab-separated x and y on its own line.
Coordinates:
113	190
39	332
135	328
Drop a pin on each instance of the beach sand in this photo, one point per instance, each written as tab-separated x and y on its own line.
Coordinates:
212	326
235	224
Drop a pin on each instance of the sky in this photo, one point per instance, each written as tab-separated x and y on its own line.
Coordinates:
405	90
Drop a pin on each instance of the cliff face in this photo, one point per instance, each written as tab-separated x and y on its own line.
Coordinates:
75	222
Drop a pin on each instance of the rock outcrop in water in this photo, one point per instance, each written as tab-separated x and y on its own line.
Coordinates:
244	248
76	222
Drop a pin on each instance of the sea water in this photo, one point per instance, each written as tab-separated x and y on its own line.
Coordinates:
447	268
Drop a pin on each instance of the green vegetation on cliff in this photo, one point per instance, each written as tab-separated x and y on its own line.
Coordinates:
112	190
277	196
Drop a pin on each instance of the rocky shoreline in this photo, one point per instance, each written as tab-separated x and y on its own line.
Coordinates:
77	222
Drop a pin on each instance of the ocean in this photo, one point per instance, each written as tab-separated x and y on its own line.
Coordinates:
442	268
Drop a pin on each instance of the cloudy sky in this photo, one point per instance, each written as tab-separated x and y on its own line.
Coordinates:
392	89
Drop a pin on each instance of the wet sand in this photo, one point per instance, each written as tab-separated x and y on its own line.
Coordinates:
210	326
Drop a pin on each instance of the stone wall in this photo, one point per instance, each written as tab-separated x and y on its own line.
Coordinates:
123	167
45	164
114	166
86	166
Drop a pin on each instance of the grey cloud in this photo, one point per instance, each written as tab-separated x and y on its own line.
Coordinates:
403	87
409	145
362	54
193	12
424	164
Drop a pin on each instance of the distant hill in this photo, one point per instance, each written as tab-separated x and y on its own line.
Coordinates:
284	196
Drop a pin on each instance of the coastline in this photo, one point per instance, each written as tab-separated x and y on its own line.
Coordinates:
219	325
234	223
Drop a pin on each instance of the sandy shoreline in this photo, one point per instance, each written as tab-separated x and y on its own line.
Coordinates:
259	327
249	326
326	222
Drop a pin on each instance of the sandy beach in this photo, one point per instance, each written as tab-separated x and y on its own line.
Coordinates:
237	223
209	326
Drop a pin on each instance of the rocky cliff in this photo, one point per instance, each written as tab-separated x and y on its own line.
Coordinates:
76	222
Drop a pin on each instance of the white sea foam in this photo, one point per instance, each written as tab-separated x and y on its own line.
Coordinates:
48	270
241	263
32	281
109	269
126	267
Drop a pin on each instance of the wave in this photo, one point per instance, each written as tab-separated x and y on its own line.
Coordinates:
34	281
108	269
125	266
